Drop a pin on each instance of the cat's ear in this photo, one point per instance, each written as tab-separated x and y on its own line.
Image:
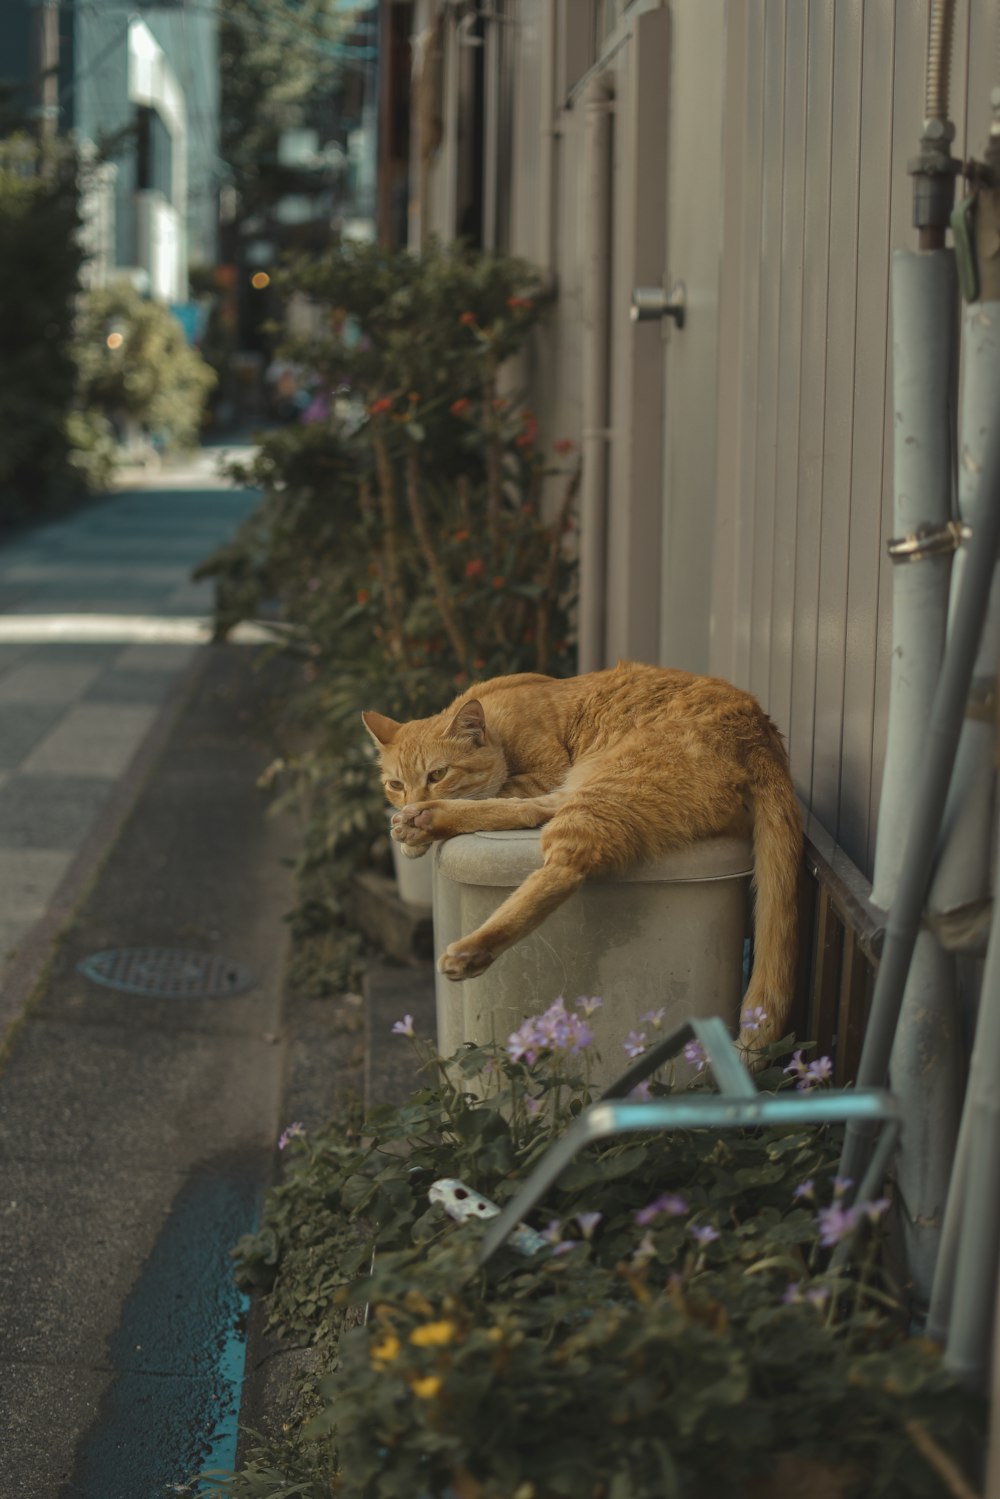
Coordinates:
383	730
469	723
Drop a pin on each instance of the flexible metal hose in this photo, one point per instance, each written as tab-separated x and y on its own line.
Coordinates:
939	59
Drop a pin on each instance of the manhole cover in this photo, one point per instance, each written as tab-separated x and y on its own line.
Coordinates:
167	972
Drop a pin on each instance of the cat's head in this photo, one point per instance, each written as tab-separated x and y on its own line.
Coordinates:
450	755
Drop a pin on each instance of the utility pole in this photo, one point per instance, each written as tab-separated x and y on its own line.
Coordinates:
45	55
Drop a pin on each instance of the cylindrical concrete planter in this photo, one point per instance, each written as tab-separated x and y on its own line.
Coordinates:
666	935
414	877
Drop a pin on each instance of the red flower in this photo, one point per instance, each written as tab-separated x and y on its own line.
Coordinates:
460	536
479	663
383	403
460	407
564	445
475	567
499	403
499	582
467	319
520	304
363	595
413	397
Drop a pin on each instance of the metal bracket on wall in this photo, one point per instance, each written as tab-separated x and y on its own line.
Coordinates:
652	302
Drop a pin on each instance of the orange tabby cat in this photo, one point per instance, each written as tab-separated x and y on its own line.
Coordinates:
619	766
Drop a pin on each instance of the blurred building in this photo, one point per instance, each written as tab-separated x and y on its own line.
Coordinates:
140	82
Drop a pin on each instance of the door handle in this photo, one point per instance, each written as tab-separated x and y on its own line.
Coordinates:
651	302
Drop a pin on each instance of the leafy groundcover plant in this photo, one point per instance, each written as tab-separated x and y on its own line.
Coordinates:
679	1333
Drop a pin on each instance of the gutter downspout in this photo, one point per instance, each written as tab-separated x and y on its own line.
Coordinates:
598	116
965	1283
914	1016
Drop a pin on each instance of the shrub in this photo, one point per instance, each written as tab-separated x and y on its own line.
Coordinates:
678	1329
152	377
401	541
40	260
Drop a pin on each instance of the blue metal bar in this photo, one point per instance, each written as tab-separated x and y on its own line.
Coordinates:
741	1107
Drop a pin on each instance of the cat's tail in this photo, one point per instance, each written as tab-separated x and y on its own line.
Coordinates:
777	843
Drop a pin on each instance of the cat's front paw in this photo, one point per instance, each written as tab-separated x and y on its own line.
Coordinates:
413	837
464	960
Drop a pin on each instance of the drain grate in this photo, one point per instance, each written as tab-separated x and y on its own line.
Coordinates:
167	972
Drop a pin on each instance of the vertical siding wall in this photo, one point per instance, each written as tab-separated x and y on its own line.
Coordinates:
827	101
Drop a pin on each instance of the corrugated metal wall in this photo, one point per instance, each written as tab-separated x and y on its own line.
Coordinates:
830	101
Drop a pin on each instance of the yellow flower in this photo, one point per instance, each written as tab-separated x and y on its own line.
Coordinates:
426	1388
495	1334
433	1334
387	1350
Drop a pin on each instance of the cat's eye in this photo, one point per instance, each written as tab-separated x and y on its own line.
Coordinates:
394	785
437	775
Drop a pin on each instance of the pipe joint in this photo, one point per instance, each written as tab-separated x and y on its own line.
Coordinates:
928	542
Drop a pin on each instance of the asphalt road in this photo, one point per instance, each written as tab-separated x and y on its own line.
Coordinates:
136	1132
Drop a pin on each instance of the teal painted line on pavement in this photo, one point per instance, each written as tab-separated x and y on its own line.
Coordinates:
173	1410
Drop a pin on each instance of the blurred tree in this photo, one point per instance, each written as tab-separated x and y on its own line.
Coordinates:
40	259
279	66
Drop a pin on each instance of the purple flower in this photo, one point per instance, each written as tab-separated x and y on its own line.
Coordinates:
403	1027
552	1233
792	1295
532	1106
835	1223
703	1233
841	1184
671	1204
873	1210
796	1065
641	1091
655	1018
563	1247
694	1055
589	1006
519	1048
818	1295
753	1019
587	1222
819	1071
805	1191
635	1043
293	1132
581	1036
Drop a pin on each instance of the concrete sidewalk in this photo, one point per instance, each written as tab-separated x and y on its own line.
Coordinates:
99	619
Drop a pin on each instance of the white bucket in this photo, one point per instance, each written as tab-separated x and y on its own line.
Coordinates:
666	935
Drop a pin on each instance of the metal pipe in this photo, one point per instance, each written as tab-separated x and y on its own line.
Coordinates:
934	169
598	116
939	1315
961	889
924	1066
924	302
967	1350
937	78
929	794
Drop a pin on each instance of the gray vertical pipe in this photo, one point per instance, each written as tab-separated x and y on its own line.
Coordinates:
973	1295
961	887
597	140
930	792
925	1065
